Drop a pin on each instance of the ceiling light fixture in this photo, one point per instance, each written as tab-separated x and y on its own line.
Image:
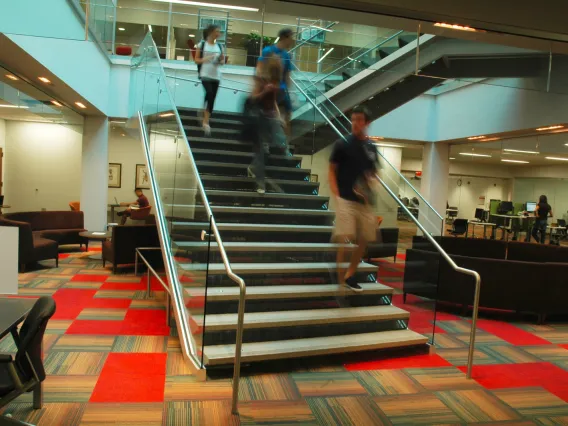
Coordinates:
521	151
167	114
452	158
56	103
326	53
489	139
556	158
454	26
542	129
44	80
514	161
191	35
14	106
473	154
80	105
215	5
121	29
12	77
150	27
475	138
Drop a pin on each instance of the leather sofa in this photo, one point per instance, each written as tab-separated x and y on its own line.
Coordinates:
385	246
32	247
515	276
121	249
62	227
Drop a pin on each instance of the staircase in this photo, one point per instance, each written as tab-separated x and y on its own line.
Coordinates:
279	243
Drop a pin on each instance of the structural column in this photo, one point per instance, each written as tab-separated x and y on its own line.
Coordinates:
94	185
387	207
434	187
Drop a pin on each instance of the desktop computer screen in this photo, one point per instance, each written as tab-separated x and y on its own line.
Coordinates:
479	214
505	207
531	206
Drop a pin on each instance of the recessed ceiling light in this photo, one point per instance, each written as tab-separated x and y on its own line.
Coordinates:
521	151
13	106
475	137
12	77
514	161
192	35
167	114
121	29
454	26
215	5
44	80
56	103
556	158
452	158
473	154
489	139
541	129
80	105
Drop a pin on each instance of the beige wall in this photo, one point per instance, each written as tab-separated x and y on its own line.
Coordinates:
3	146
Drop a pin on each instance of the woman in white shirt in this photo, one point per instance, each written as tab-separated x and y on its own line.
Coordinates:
209	57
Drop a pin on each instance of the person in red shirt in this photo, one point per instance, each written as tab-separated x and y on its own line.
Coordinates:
140	203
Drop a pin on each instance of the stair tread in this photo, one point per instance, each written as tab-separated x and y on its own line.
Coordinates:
242	154
258	210
285	291
266	195
257	227
223	354
305	317
219	141
212	120
252	246
275	267
244	166
248	179
213	130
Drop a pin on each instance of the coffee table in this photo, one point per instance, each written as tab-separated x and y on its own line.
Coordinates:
96	236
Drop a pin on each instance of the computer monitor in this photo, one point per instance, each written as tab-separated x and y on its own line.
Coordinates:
479	214
505	207
531	206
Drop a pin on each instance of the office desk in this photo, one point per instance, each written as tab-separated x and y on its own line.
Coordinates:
510	218
485	225
112	211
12	312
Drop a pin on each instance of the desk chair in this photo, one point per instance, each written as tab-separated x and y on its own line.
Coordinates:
25	372
459	227
562	233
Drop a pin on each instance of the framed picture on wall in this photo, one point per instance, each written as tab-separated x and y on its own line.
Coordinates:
114	175
314	178
142	177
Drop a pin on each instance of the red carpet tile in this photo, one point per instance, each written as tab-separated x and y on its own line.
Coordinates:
415	361
95	327
383	273
132	377
70	302
109	304
137	322
510	333
552	378
64	255
89	278
401	256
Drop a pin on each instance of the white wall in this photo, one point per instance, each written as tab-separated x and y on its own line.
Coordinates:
556	190
3	146
43	166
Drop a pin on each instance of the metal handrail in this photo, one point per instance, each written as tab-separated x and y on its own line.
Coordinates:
234	277
355	59
332	24
436	245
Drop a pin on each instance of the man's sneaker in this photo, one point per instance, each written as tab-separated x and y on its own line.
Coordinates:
351	283
207	129
261	190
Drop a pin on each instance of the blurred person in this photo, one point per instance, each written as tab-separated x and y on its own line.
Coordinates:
352	169
280	49
141	202
264	128
542	212
209	57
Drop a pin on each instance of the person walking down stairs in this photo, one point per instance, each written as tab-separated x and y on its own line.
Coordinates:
352	167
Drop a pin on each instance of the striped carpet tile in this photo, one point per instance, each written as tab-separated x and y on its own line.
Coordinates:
52	414
417	409
441	378
139	414
77	388
276	413
268	387
477	405
187	388
196	413
84	343
328	384
533	402
143	344
387	382
347	411
102	314
71	363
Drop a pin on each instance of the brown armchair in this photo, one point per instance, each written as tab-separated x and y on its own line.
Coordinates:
32	248
121	249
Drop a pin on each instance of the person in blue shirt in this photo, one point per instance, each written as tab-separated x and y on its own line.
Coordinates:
285	43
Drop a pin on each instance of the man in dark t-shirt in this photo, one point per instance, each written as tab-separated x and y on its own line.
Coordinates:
140	203
352	166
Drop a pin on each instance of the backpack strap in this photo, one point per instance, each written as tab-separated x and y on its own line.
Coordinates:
201	47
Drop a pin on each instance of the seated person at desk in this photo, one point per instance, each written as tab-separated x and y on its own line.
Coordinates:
140	203
542	212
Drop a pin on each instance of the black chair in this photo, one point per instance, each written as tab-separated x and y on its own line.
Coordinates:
25	372
459	227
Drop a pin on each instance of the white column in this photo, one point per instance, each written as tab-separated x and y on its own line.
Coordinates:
434	187
386	206
94	188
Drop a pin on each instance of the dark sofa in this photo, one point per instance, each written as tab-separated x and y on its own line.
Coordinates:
385	246
60	226
32	248
121	249
520	277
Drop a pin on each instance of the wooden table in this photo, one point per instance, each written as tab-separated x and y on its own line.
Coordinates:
485	225
96	236
13	311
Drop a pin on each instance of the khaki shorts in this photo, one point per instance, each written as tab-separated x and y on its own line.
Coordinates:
354	221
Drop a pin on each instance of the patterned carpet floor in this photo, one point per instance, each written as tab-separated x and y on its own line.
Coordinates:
111	360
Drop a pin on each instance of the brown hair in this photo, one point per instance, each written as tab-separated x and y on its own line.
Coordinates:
272	69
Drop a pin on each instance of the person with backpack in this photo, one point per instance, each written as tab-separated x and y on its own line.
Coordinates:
209	57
